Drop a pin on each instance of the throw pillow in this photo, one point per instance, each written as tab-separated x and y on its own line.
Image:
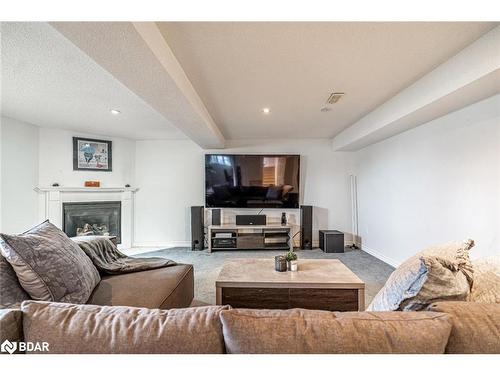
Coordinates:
300	331
49	266
438	273
80	329
11	292
486	287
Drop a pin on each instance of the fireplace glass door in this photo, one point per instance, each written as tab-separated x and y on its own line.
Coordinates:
92	218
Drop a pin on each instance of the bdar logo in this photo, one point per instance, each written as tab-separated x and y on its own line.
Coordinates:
8	347
11	347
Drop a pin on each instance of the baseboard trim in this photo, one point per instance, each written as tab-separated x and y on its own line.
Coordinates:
163	244
188	244
382	257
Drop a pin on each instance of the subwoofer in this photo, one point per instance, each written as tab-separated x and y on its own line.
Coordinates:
197	228
216	215
306	218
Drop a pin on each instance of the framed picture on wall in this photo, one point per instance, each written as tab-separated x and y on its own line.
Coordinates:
91	155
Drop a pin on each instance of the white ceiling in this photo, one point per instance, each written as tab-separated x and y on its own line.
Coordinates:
69	75
48	81
239	68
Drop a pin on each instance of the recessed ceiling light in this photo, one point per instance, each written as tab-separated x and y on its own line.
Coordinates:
266	111
114	111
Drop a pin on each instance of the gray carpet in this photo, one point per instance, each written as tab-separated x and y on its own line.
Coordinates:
207	265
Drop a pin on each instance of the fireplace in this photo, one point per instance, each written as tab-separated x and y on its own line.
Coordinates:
92	218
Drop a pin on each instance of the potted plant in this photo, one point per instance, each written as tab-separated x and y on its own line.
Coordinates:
291	261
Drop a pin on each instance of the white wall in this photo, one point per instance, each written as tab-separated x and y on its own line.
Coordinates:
56	160
19	169
1	174
436	183
33	156
170	175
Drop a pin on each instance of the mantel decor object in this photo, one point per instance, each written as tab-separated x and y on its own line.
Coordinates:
92	184
92	155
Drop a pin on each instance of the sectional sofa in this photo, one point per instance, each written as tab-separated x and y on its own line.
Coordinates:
449	327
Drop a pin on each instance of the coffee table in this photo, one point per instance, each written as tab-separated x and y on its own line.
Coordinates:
320	284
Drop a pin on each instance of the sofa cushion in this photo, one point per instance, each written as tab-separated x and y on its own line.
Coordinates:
476	326
49	265
438	273
11	327
162	288
11	292
83	329
310	331
486	287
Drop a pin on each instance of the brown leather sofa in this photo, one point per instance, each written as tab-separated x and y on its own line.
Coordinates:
449	327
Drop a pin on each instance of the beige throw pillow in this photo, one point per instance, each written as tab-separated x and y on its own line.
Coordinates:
486	287
438	273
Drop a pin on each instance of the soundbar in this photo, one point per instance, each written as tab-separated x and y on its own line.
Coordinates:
250	219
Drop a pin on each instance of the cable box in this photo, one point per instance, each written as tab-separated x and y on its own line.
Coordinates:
224	242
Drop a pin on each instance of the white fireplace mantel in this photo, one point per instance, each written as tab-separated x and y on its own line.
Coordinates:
51	200
85	189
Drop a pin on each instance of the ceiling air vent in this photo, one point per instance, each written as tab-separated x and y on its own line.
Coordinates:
335	97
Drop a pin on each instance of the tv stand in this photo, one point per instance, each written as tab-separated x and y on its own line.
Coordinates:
249	237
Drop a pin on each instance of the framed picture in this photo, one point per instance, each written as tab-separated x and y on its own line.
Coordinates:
91	155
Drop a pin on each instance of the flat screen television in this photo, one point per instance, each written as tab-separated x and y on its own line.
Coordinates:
252	181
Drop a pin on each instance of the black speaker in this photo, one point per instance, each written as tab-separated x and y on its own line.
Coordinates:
306	220
250	219
197	228
216	213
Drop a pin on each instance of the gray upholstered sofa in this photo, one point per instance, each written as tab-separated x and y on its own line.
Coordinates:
54	268
449	327
162	288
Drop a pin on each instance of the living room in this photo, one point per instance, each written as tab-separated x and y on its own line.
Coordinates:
248	183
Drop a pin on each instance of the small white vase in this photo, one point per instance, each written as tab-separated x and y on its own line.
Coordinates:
294	266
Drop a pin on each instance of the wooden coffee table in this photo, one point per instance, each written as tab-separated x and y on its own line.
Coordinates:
320	284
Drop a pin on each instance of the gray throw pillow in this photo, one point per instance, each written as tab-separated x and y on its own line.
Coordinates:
49	266
11	292
438	273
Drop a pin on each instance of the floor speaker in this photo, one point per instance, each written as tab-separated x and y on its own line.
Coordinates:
197	228
306	218
216	214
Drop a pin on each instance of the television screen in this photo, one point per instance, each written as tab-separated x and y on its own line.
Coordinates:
252	181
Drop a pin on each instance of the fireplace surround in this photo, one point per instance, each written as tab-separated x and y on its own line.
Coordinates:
52	200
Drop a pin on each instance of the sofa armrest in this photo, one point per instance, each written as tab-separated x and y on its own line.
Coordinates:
11	328
476	326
